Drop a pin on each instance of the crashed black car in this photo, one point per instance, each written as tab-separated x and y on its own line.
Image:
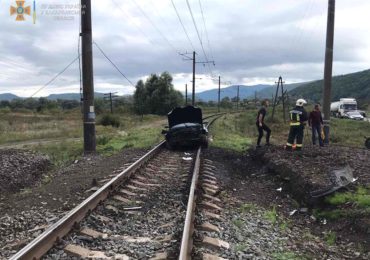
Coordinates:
186	128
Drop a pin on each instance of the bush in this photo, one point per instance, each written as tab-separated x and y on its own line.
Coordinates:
103	140
110	119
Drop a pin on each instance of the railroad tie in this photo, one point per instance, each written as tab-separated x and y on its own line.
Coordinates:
160	256
84	253
212	257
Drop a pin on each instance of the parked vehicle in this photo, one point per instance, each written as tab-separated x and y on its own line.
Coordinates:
186	128
346	108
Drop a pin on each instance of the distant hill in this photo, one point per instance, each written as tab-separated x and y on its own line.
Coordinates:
356	85
244	92
71	96
270	91
65	96
8	96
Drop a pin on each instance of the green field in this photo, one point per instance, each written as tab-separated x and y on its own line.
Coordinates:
60	134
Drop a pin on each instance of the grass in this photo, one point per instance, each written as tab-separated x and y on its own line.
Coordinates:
347	205
238	223
330	238
271	215
60	153
248	207
142	138
238	131
360	198
227	133
240	247
63	132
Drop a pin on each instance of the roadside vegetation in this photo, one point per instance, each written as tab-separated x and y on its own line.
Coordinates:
239	131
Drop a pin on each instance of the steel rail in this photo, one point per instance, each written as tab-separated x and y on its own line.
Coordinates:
186	241
218	114
43	243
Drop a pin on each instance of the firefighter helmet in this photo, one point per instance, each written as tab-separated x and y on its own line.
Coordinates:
301	102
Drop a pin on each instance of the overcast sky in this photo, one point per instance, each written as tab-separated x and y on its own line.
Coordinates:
251	41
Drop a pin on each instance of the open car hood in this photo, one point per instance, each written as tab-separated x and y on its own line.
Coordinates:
188	114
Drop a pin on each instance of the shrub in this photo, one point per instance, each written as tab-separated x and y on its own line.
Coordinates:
103	140
110	119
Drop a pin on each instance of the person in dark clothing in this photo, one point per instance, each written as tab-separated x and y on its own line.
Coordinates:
260	123
315	122
298	118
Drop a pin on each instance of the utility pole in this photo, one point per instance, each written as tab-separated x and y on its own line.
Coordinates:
219	93
87	78
328	70
194	62
279	83
193	94
283	97
110	97
186	94
237	99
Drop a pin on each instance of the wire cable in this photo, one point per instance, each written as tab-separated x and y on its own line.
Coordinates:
55	77
182	24
114	65
196	29
205	28
200	39
133	21
155	27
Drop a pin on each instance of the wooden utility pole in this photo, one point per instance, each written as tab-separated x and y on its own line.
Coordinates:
279	83
283	98
194	62
186	94
328	70
87	78
237	99
219	93
193	95
110	96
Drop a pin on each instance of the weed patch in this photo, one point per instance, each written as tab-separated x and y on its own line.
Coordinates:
331	238
238	223
271	215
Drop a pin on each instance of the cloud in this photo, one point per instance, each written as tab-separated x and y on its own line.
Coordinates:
250	41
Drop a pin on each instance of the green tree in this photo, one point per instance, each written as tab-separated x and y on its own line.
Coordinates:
140	98
157	95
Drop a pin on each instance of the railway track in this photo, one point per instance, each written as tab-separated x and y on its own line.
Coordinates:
147	211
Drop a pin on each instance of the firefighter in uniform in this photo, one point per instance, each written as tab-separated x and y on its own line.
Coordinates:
298	118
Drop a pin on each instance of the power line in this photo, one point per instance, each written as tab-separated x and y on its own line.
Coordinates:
114	65
182	24
55	77
155	27
205	28
200	39
133	21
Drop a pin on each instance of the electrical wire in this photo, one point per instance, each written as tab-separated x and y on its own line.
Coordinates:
114	65
205	28
182	24
133	21
196	29
155	27
200	39
55	77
